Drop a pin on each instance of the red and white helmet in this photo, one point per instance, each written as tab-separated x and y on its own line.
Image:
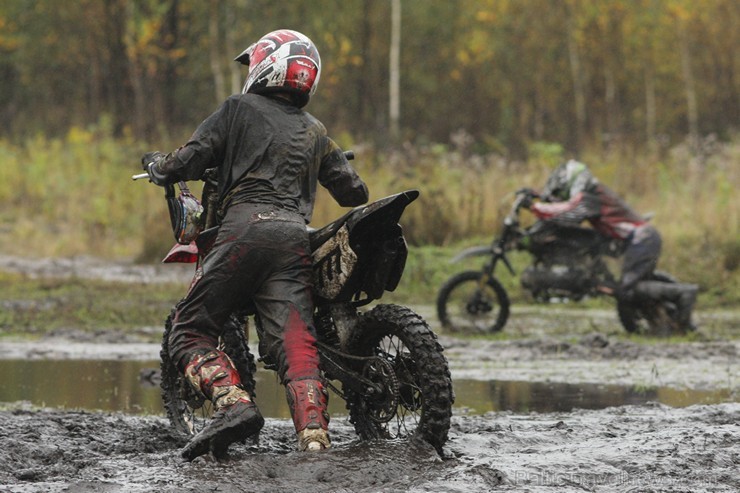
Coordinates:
285	61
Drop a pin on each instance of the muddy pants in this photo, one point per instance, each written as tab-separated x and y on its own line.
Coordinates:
640	256
261	254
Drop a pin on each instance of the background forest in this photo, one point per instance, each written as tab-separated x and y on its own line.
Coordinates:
466	100
509	72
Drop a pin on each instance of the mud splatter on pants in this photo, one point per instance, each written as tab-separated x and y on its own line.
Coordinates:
261	254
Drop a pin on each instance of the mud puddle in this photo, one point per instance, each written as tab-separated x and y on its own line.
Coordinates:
133	387
625	446
620	447
628	448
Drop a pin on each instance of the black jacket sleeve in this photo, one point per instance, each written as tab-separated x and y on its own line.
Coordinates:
340	178
202	151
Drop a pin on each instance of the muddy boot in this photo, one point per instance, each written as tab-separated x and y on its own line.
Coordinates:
683	295
235	418
307	400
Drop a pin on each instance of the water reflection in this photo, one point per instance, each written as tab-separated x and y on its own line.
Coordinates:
484	396
127	386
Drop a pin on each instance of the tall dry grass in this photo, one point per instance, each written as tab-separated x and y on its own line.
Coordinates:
74	196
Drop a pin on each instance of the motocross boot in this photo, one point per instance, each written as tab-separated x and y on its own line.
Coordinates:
307	400
683	295
235	417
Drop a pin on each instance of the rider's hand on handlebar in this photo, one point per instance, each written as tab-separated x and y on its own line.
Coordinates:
150	157
150	163
527	196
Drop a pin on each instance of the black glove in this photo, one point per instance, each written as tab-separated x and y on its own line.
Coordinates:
150	163
150	157
528	195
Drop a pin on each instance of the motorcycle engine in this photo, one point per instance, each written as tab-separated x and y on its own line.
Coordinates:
556	281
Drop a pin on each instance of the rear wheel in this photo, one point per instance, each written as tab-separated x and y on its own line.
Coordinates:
468	304
412	394
186	410
648	316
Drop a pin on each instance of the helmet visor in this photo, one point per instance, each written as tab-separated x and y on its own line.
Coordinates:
245	55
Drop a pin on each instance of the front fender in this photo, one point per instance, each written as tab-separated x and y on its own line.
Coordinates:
473	252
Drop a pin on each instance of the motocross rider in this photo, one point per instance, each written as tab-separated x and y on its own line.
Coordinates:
572	194
269	154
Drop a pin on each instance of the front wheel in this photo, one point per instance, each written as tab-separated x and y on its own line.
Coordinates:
412	395
468	302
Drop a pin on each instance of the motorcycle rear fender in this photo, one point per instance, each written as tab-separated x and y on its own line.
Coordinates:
473	252
391	206
363	251
385	271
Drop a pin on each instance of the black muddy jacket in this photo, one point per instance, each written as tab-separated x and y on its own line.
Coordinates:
267	151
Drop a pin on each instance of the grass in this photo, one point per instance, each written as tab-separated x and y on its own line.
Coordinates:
36	307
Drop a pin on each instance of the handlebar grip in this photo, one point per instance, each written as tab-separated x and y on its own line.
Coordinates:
140	176
350	155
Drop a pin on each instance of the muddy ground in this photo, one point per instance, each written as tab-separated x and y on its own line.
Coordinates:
649	447
645	448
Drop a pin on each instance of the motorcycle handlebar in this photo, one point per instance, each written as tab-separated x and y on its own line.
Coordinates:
522	195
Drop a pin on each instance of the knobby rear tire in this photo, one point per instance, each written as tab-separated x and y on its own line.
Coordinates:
649	316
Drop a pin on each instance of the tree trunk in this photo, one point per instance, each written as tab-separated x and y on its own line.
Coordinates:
365	74
539	107
650	107
117	74
135	75
95	97
171	40
579	92
610	96
395	61
235	68
217	71
690	88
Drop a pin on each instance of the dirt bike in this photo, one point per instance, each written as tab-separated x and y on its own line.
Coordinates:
384	362
568	263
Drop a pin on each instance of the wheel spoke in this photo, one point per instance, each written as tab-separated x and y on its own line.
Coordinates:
422	392
409	405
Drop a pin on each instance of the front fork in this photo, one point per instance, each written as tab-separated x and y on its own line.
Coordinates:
490	267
